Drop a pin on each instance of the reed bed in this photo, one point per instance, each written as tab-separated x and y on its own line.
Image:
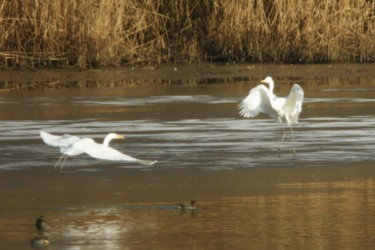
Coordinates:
94	33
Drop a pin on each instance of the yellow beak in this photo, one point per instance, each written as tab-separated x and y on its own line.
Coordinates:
120	137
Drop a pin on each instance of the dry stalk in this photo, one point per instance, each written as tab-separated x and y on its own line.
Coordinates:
93	33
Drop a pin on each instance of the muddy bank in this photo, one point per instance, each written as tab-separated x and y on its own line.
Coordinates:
194	74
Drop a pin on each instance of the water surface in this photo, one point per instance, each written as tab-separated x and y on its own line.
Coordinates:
323	197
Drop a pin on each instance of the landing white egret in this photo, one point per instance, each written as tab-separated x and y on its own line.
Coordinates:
282	109
73	145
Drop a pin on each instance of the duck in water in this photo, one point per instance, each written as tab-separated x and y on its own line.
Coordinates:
40	225
193	206
39	241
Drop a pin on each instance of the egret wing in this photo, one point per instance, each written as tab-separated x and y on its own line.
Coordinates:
293	104
100	151
256	102
58	141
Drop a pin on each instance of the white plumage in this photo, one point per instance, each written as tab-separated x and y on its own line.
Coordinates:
283	109
73	145
257	102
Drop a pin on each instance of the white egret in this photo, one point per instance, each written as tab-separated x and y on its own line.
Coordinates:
73	145
282	109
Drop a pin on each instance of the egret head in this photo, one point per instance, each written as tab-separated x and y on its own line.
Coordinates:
268	80
112	136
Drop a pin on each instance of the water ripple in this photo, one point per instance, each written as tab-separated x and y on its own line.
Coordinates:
198	143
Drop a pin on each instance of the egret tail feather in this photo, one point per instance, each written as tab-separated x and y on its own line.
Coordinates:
147	163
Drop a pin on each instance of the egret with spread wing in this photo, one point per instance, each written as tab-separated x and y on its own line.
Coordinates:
73	145
283	109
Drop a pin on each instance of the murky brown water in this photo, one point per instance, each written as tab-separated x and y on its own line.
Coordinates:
248	197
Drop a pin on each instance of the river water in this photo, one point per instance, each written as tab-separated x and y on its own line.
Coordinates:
247	195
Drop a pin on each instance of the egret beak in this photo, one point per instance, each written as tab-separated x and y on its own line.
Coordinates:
120	137
46	242
263	81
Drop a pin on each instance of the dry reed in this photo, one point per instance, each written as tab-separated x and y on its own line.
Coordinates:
93	33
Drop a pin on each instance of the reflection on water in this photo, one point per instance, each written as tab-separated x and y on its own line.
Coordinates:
302	216
247	196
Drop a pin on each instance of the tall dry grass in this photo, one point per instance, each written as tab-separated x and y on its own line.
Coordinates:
116	32
299	30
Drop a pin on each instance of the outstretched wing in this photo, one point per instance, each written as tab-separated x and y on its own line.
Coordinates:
293	104
58	141
100	151
257	102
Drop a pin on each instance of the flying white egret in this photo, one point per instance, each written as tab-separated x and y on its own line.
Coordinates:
73	145
282	109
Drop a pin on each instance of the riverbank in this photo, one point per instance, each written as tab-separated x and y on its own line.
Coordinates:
192	74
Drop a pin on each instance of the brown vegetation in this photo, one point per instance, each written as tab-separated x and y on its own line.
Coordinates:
116	32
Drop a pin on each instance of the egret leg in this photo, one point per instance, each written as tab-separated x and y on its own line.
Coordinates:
284	135
62	157
282	140
291	130
58	161
62	165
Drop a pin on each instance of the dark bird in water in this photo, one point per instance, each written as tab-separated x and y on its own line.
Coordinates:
192	206
40	224
39	241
